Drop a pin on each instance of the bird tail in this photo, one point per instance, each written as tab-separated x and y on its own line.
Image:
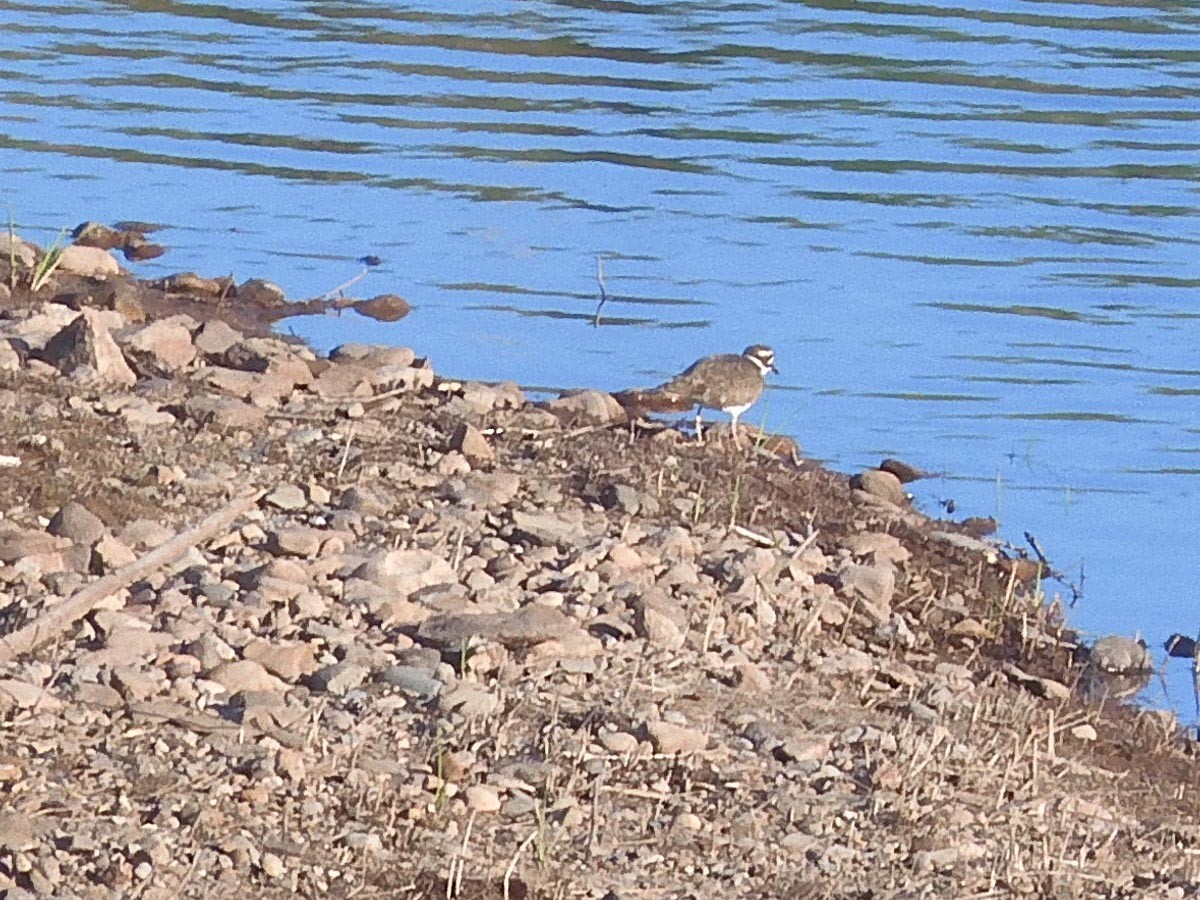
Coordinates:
638	401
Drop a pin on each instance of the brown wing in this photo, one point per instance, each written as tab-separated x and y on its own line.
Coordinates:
650	400
704	371
686	390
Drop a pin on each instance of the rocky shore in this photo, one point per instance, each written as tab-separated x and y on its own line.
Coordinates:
436	639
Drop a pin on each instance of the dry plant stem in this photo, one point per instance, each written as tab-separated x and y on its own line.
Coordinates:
603	293
329	295
345	453
512	865
64	615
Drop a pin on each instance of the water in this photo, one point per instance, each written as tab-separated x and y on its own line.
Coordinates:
970	232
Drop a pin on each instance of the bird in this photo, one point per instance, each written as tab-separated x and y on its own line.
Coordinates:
729	382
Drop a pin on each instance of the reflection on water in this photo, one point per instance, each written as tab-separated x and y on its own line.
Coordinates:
971	234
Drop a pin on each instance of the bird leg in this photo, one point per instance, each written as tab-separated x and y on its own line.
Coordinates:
733	429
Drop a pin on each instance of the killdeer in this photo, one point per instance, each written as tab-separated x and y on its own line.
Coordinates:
724	381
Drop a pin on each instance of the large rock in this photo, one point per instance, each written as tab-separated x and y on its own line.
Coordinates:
245	675
873	586
221	412
883	485
587	408
161	348
564	529
527	626
1121	655
406	571
215	337
87	343
89	261
77	523
470	442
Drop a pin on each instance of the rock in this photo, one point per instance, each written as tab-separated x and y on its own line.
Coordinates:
210	650
481	489
77	523
191	283
215	337
412	680
366	501
339	678
87	345
406	571
373	355
145	534
902	470
225	413
483	798
401	379
260	292
20	832
576	651
881	547
92	262
469	700
1121	655
626	557
669	738
671	543
527	626
883	485
587	408
25	695
20	251
289	661
518	805
477	399
623	498
110	554
266	357
11	358
563	529
136	685
873	584
948	857
161	348
619	742
297	541
966	542
139	413
470	442
656	622
20	545
384	308
245	675
979	526
751	678
272	866
343	381
1084	732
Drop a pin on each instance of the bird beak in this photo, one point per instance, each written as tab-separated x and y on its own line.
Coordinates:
773	369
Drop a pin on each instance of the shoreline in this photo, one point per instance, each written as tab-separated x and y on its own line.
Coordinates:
465	637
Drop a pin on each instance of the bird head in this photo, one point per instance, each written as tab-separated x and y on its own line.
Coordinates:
762	356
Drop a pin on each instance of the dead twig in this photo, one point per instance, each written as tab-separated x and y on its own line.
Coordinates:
61	617
603	293
512	865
